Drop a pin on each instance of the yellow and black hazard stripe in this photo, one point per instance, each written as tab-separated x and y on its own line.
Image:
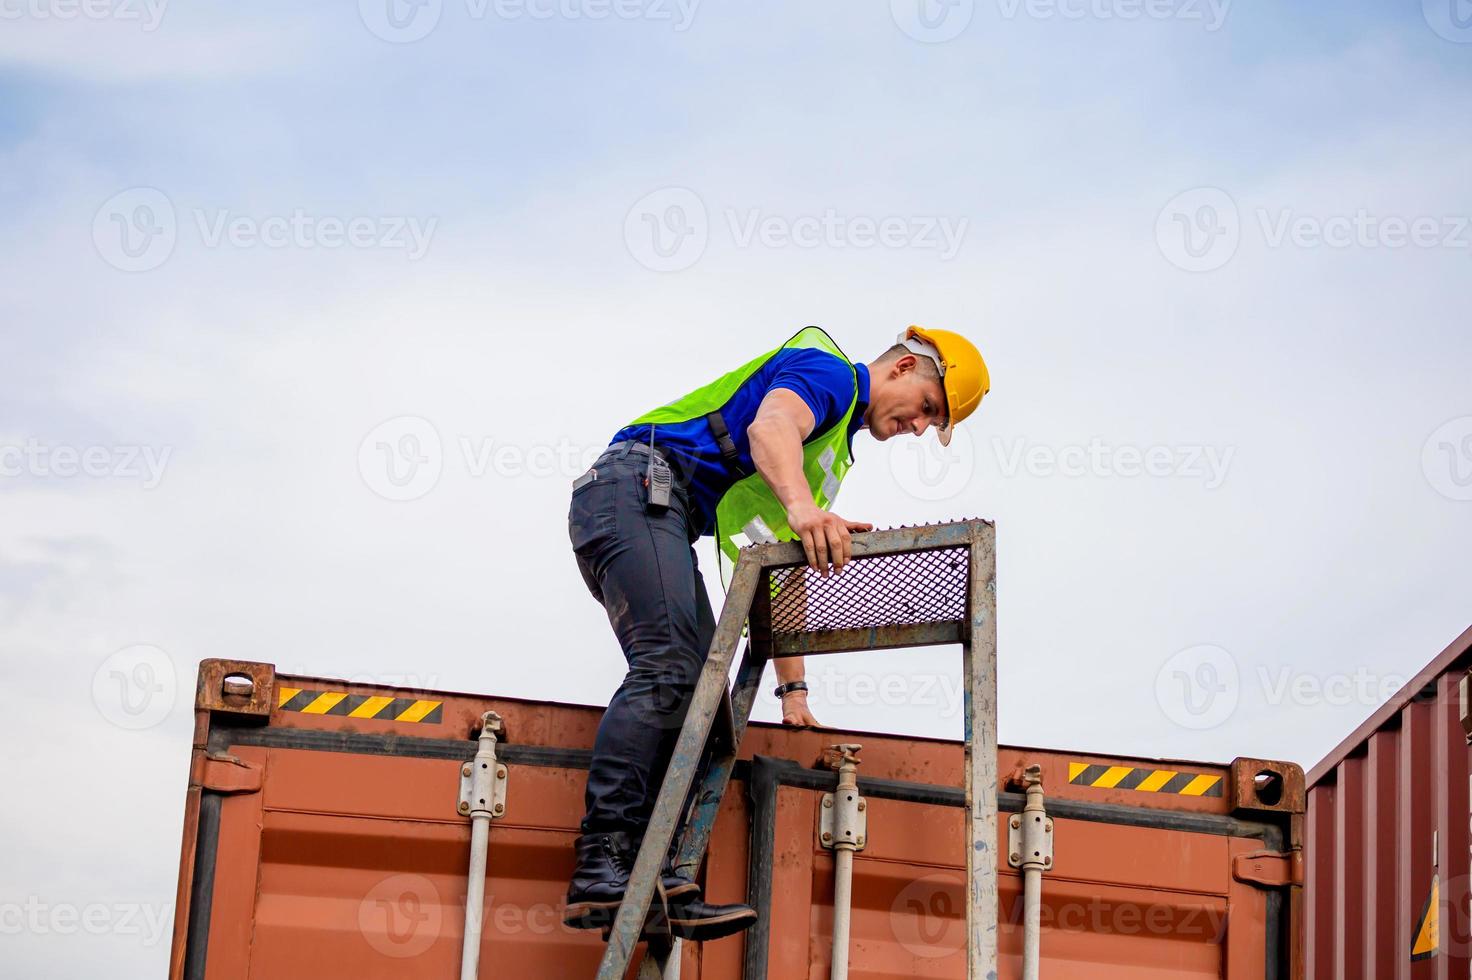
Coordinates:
413	710
1144	780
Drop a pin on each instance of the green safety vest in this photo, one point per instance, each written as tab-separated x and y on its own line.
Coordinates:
749	512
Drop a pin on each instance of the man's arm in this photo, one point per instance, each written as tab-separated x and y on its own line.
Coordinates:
782	422
794	703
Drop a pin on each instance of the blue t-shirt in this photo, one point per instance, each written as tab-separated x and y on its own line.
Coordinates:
823	381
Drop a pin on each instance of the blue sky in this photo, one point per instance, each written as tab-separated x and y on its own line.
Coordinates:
1308	402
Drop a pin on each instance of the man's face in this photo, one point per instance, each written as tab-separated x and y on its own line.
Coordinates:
908	402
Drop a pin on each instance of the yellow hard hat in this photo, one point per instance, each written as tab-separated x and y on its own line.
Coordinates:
963	373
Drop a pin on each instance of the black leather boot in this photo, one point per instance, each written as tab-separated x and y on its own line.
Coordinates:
674	885
692	918
681	912
601	876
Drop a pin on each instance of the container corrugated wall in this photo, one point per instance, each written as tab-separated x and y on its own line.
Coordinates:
1387	838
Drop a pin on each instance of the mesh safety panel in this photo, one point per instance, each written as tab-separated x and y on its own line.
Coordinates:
883	590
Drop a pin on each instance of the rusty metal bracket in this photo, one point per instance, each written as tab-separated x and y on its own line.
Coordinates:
472	788
1266	786
1028	848
1269	869
223	773
237	687
843	823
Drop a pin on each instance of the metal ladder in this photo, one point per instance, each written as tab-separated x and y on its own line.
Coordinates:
905	587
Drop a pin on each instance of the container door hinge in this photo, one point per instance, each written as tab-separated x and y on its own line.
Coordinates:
1269	869
227	774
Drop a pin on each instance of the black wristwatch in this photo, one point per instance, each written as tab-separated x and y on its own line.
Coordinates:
789	687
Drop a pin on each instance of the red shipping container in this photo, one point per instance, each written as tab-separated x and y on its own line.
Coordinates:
1387	890
322	839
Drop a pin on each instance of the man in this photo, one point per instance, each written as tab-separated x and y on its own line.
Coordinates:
757	454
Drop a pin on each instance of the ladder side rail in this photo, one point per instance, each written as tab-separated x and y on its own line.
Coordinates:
668	807
743	695
696	837
979	656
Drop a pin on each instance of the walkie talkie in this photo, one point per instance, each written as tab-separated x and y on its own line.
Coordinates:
660	481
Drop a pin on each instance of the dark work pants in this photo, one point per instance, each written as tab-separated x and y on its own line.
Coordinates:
641	566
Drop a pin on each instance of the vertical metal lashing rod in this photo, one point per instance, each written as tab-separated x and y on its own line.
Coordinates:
1035	855
843	829
482	803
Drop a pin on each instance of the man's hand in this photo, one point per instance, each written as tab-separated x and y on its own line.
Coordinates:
795	710
825	536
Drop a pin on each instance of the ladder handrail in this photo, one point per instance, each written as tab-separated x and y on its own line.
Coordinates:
747	598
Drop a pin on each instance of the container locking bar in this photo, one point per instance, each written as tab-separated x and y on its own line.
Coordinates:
843	829
482	798
1030	847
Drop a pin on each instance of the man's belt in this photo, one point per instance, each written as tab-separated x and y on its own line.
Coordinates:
643	448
